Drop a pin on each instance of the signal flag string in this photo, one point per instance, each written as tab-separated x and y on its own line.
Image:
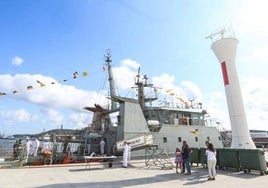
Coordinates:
42	84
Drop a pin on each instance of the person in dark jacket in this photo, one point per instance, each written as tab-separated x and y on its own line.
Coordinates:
186	151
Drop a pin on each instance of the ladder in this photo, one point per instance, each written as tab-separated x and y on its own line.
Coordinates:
157	157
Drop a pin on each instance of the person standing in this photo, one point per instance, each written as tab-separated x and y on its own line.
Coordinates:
36	145
102	146
28	145
15	150
45	146
129	154
102	127
211	161
186	151
125	155
178	159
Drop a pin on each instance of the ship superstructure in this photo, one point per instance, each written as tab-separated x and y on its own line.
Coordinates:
170	124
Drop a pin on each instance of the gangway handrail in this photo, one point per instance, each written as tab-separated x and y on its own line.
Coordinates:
138	142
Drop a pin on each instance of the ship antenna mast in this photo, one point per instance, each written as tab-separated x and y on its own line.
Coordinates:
108	60
140	84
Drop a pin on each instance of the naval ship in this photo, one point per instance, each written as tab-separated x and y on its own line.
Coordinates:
143	121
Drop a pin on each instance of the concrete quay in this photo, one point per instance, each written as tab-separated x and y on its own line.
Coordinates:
99	175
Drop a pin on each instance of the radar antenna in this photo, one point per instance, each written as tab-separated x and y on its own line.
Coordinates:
221	34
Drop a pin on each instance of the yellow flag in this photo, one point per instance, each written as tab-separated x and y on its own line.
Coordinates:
41	84
195	131
169	90
85	73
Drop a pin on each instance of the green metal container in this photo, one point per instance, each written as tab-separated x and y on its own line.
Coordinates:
218	164
203	157
229	158
252	159
195	156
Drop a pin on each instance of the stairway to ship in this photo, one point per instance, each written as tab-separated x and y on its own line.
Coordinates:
157	157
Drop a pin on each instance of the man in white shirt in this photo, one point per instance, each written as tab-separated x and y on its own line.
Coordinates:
129	154
28	145
125	155
45	146
36	145
102	146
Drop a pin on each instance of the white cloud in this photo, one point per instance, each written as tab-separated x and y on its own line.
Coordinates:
54	116
164	81
130	63
56	95
256	105
191	90
187	90
79	119
55	101
20	115
124	75
17	60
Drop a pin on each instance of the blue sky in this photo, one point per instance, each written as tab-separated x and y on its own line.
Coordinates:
48	40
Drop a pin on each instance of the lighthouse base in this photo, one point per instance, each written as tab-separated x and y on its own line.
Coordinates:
242	143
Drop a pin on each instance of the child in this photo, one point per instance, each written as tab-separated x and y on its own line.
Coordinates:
178	159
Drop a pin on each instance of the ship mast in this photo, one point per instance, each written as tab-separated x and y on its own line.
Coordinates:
108	60
141	84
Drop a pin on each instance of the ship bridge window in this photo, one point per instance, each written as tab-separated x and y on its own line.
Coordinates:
164	139
197	119
179	139
196	139
219	138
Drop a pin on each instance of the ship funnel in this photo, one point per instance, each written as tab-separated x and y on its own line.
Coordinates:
225	51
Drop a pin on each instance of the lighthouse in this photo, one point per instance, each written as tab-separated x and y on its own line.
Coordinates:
225	50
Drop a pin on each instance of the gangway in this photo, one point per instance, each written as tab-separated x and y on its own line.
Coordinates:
154	155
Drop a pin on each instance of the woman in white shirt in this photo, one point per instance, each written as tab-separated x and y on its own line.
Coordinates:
211	161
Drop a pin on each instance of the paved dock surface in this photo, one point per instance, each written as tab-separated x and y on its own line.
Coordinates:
99	175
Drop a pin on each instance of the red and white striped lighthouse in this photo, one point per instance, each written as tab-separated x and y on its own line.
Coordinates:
225	51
